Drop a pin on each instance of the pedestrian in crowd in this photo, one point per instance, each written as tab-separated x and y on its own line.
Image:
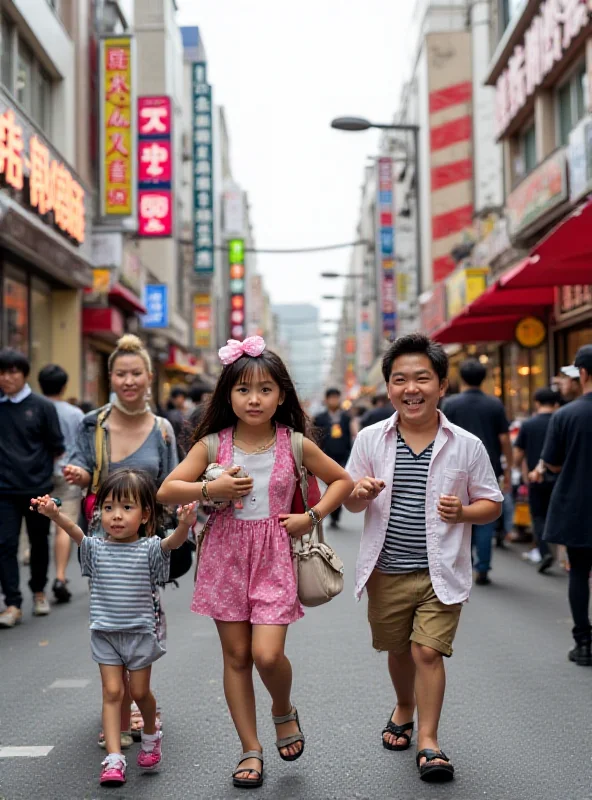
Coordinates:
126	617
199	397
527	453
85	406
381	410
245	579
568	454
356	420
335	436
30	442
53	380
569	384
129	435
485	417
177	415
423	483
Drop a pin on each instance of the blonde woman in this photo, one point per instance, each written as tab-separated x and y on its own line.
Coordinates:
131	436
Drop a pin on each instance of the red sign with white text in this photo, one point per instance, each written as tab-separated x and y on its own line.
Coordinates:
155	167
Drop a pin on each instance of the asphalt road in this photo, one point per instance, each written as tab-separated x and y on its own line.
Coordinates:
516	723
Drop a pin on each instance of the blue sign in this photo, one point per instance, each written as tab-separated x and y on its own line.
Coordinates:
203	169
156	300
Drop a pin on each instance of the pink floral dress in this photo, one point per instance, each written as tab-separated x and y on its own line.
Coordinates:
245	569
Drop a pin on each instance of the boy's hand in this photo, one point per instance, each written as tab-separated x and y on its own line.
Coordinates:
450	508
368	489
46	506
297	525
187	514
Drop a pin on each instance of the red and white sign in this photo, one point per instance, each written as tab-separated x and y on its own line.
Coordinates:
155	214
155	166
545	43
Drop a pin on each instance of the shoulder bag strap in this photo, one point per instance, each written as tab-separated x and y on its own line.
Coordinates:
212	441
100	450
163	429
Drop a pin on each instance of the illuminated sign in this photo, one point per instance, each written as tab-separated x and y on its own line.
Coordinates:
202	320
116	127
53	191
155	167
203	188
386	247
236	260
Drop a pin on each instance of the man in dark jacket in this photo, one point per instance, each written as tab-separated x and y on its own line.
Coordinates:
334	428
30	441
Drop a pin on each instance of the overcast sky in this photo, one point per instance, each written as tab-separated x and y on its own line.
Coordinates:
282	71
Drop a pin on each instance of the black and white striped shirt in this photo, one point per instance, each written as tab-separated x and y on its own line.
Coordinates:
405	547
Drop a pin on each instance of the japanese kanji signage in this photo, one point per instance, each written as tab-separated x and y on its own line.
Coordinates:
156	300
540	192
545	43
155	168
202	320
203	189
116	127
572	300
236	260
54	193
386	247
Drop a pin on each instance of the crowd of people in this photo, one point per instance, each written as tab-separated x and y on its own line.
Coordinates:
432	473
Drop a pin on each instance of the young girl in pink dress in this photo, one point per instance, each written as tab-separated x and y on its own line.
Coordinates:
245	579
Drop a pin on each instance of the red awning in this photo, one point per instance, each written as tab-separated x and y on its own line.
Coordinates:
497	301
464	328
124	298
563	257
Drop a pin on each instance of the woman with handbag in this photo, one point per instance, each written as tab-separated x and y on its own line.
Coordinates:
124	433
246	580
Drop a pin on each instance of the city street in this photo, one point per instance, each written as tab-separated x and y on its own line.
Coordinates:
516	720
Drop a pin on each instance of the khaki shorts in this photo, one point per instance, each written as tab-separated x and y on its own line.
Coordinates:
69	495
404	608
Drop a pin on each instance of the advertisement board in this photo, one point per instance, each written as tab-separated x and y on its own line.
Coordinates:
203	184
155	167
116	127
156	300
236	263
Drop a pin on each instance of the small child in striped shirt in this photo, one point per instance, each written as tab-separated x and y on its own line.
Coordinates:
126	618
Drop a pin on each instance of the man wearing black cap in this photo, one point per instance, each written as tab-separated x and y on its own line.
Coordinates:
568	453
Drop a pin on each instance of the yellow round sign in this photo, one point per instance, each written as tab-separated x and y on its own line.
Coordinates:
530	332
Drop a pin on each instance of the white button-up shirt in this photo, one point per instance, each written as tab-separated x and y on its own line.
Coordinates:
460	466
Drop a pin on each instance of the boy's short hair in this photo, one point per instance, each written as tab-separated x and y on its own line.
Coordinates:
52	380
547	397
179	391
14	360
333	392
473	372
416	343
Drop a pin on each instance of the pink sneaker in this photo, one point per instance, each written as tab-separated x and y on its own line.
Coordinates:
149	760
113	773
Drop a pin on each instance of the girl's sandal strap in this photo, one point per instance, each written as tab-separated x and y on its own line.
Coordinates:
245	756
291	717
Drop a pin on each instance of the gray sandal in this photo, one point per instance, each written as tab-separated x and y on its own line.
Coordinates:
248	783
288	740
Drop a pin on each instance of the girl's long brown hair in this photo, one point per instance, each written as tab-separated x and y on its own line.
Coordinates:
218	413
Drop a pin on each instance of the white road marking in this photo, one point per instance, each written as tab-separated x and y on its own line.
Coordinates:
24	752
70	683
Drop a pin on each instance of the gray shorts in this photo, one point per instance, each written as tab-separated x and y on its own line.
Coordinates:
130	649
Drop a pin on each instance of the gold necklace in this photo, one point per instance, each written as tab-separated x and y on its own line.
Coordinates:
261	449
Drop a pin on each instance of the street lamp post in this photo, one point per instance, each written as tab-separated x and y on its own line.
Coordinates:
360	124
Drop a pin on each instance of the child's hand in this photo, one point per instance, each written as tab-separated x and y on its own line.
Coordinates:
297	525
450	508
227	487
187	514
46	506
368	488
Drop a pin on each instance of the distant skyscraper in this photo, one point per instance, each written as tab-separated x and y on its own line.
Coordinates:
299	334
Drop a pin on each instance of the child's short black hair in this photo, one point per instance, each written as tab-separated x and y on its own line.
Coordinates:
52	380
547	397
473	372
416	343
131	484
13	360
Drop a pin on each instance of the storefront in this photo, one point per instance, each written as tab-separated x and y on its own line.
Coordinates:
44	253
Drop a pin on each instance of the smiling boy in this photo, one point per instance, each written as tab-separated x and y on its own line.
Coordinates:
423	483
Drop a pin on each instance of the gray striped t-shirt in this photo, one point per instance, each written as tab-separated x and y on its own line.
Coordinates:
405	546
123	576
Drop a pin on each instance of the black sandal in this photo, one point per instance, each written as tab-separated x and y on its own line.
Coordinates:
286	741
399	732
248	783
436	773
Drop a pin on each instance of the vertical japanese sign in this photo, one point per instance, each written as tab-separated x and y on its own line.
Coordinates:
116	127
155	167
386	247
156	300
203	189
236	260
202	320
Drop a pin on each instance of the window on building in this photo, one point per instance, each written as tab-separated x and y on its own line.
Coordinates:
508	10
525	155
571	103
24	77
7	56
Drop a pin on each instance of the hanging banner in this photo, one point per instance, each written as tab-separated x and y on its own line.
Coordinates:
386	247
156	300
203	188
236	261
155	167
116	146
202	320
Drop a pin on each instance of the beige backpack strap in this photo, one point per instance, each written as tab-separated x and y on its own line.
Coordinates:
100	453
162	427
212	443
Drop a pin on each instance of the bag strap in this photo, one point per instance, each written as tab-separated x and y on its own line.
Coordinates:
100	450
162	427
297	442
212	442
